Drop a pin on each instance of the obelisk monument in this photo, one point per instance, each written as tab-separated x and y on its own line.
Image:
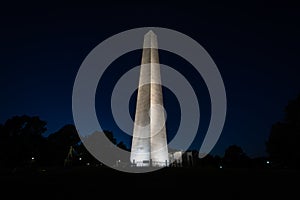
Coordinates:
149	143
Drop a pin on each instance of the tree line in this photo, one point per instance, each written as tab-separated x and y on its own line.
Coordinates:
22	144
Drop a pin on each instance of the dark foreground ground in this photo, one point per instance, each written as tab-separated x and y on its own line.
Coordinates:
168	183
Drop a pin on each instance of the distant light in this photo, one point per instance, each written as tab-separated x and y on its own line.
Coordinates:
221	166
268	162
32	158
80	158
119	160
87	164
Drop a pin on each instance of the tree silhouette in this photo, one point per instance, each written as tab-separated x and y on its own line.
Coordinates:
93	142
211	161
235	157
122	146
282	144
66	136
110	136
61	142
106	151
21	140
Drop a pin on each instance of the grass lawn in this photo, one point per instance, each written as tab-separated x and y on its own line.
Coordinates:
90	182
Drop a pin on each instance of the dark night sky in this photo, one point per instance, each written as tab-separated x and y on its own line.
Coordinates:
256	48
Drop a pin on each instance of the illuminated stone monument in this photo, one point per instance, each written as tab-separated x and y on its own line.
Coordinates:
149	143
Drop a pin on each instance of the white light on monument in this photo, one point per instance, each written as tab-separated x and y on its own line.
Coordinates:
149	143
